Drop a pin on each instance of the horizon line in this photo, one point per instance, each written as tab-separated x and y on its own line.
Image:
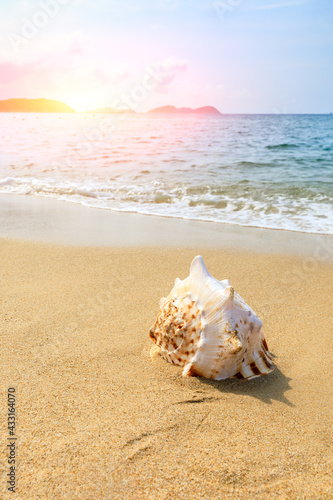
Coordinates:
123	111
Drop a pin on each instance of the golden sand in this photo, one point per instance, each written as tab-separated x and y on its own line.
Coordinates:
97	419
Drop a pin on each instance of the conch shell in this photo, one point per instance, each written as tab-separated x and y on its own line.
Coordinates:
207	328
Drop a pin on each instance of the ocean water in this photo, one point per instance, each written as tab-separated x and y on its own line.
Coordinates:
273	171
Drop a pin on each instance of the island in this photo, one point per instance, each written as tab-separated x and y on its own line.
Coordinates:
34	106
208	110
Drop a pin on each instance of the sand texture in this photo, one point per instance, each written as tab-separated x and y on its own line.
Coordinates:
98	419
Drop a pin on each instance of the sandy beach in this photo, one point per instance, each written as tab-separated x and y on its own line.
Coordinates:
97	418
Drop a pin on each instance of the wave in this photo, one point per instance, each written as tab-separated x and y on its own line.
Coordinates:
255	164
236	205
282	146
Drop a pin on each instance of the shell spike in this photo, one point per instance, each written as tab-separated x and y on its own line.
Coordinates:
231	292
198	268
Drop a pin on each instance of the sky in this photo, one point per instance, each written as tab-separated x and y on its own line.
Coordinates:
241	56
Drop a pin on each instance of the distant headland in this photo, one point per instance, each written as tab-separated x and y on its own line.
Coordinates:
34	106
205	110
52	106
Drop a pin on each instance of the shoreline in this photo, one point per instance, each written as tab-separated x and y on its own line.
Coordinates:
48	220
98	418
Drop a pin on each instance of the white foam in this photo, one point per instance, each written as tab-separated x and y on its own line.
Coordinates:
295	215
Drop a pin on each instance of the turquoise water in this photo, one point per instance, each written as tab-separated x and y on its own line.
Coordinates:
271	171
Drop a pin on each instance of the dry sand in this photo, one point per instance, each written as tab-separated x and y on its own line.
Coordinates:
96	418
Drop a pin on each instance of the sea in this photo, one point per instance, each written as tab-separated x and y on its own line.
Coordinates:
269	171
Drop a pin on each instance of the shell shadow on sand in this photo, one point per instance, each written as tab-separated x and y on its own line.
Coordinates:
268	388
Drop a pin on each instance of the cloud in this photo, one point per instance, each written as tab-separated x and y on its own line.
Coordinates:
10	72
111	75
56	77
167	70
65	55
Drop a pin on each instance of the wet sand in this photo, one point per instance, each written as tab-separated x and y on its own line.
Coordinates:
97	418
47	220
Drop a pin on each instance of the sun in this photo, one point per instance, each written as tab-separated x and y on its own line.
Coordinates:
80	101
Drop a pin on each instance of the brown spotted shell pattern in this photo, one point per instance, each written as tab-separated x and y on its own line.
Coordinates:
207	328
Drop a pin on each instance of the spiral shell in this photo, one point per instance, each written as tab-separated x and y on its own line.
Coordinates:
207	328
